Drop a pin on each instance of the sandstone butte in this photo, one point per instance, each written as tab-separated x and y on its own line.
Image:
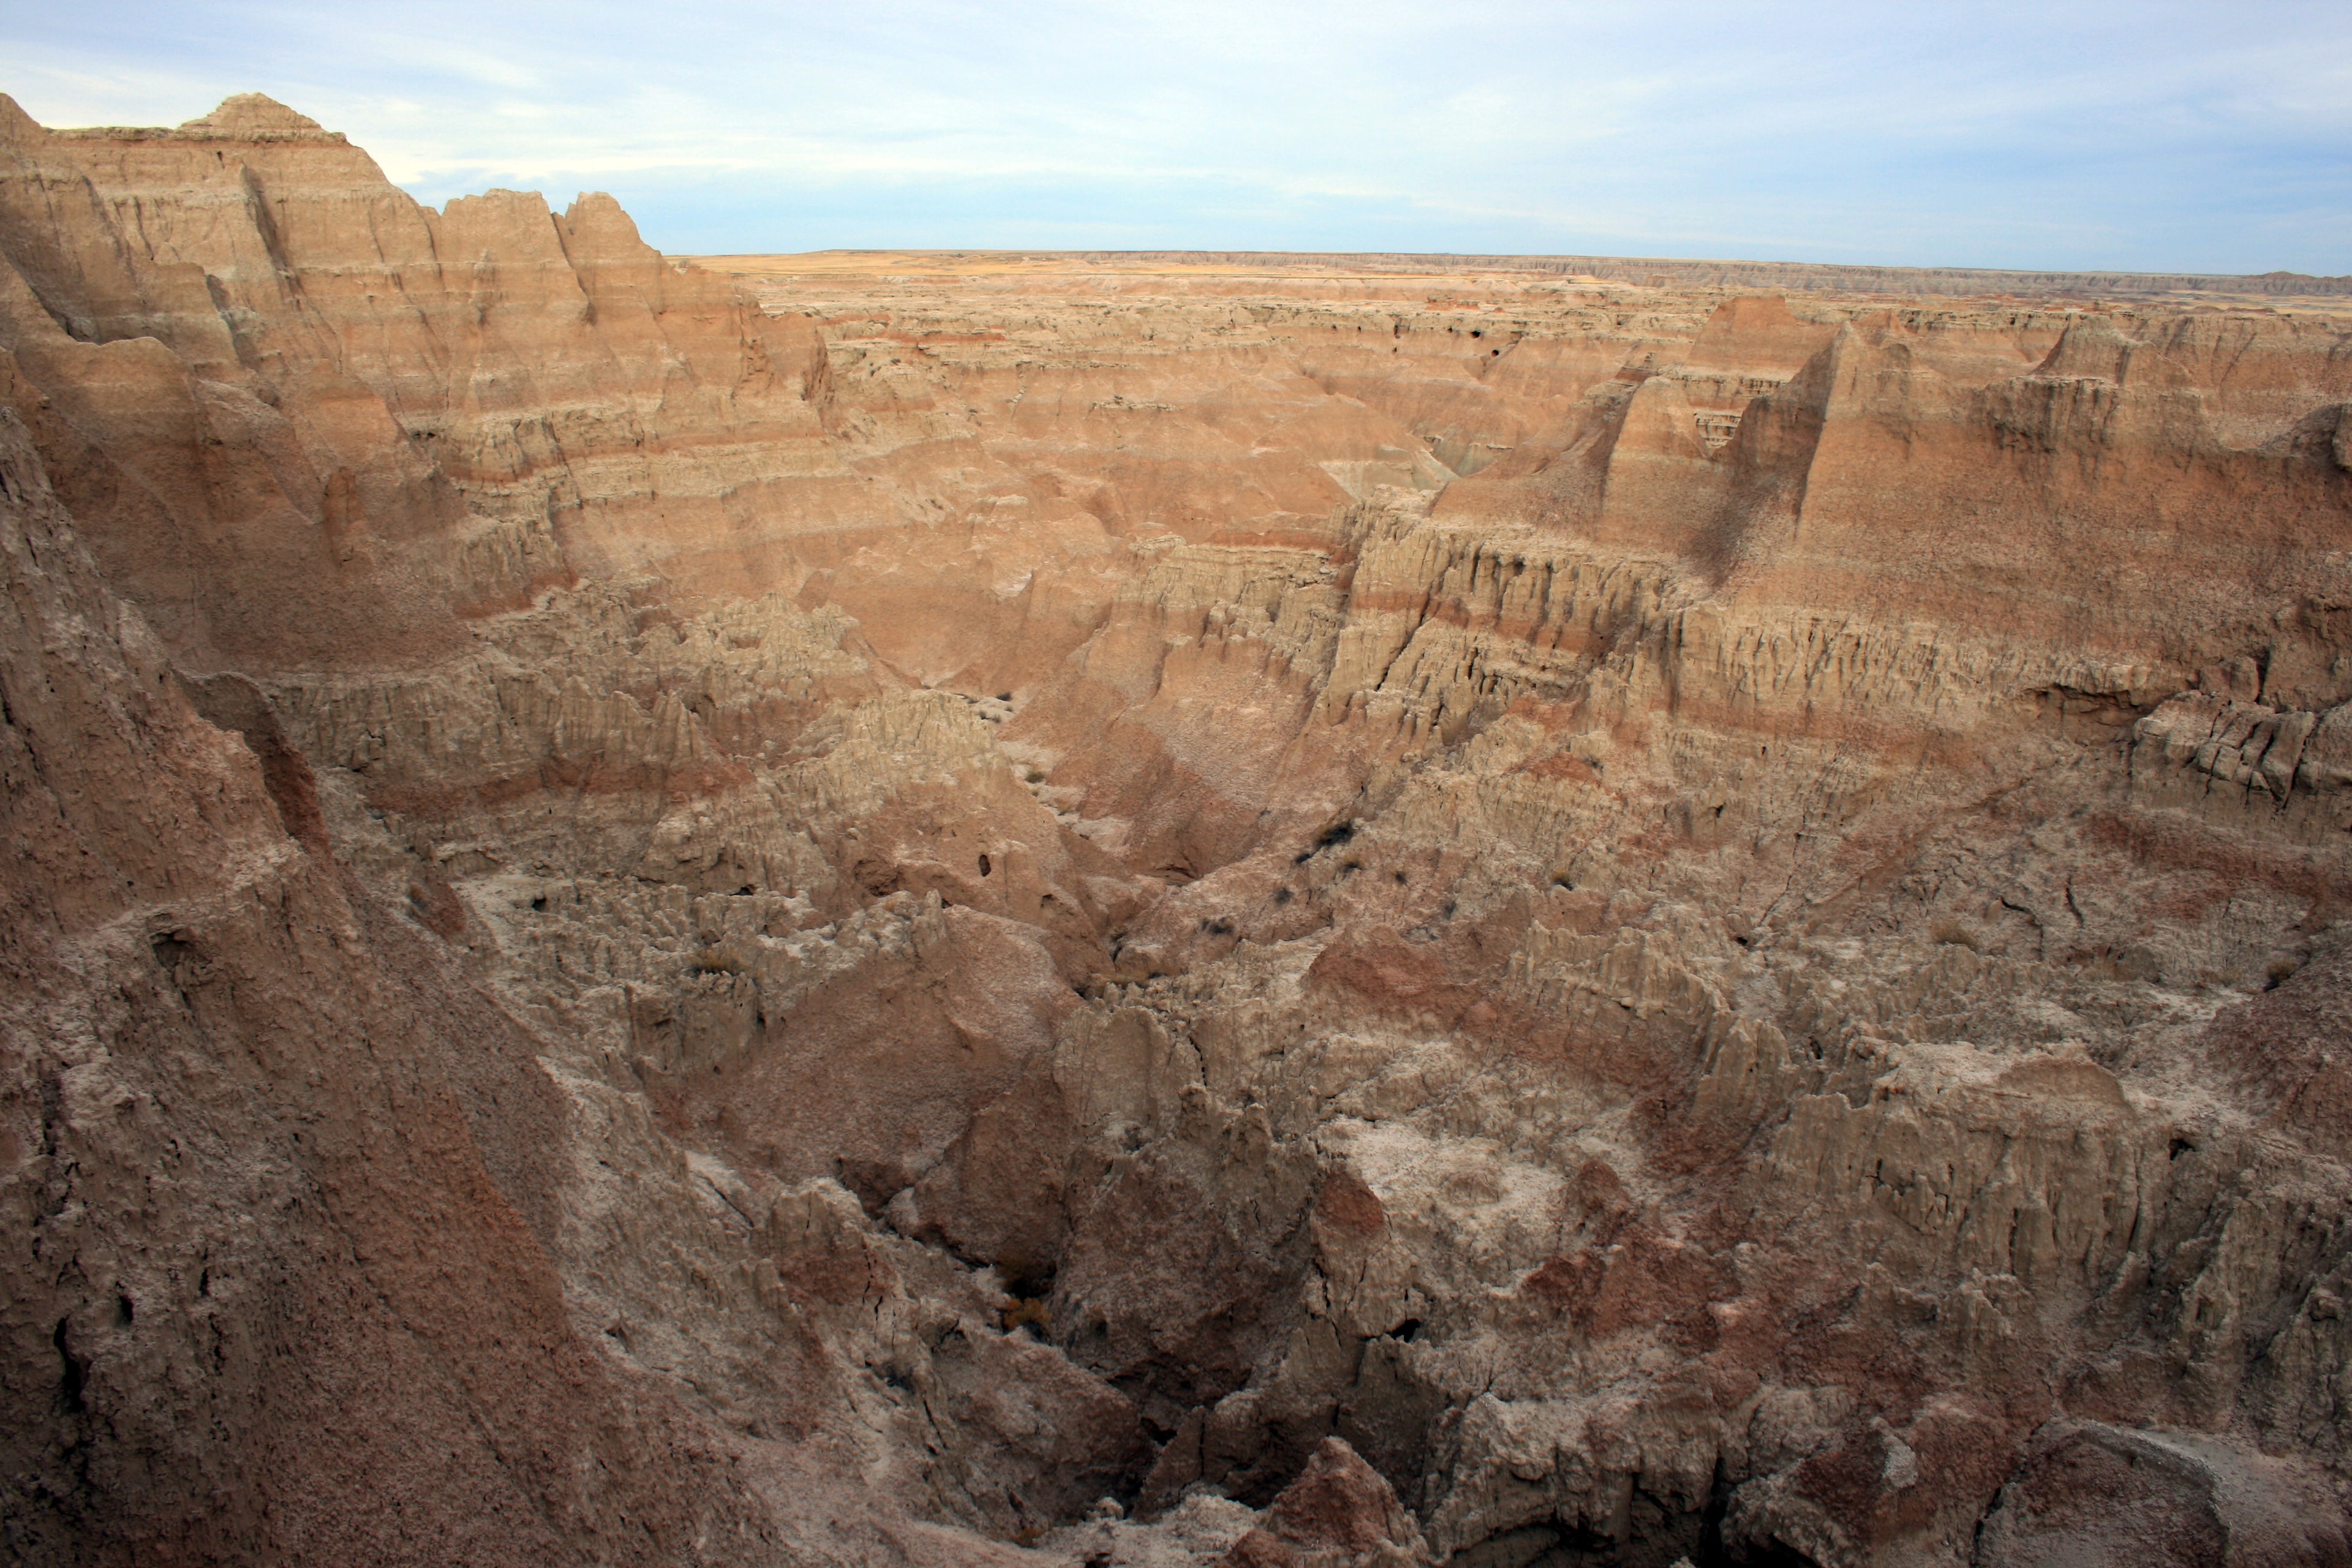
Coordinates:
939	910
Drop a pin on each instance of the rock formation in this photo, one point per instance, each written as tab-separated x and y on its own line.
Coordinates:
1090	914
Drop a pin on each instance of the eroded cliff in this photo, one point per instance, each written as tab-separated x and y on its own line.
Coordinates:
1149	915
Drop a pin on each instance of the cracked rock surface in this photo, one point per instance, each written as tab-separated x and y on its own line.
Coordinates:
1148	912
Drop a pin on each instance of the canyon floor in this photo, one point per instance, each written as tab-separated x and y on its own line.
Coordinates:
965	908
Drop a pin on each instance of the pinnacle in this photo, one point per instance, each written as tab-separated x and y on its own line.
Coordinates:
245	113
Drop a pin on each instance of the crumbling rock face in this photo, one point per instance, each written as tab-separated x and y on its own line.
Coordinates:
1339	1512
1147	916
281	1177
2090	1493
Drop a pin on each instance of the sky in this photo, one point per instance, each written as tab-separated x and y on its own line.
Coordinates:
2078	134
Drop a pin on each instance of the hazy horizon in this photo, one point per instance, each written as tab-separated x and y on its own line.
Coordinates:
1663	260
2093	137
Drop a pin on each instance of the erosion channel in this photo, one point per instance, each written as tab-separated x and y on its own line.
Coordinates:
927	909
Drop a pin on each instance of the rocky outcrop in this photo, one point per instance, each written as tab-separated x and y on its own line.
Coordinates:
1339	1512
2088	1492
279	1186
1110	916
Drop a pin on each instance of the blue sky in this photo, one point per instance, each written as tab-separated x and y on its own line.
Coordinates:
2066	133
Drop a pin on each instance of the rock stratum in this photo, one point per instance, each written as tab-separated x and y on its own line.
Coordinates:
1129	916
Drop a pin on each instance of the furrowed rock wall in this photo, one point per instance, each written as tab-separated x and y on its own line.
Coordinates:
1120	917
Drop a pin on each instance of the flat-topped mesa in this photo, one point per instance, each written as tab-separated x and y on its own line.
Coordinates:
1672	274
2055	482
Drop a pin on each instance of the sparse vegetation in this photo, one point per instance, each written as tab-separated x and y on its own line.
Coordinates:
1337	832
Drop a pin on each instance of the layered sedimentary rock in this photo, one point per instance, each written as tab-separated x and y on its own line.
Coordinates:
1156	916
1900	281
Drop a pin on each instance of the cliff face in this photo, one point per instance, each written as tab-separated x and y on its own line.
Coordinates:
323	421
1384	917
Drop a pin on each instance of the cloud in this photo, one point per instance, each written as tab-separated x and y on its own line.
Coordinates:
2096	134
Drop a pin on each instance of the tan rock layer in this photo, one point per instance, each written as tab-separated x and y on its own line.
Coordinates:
1148	916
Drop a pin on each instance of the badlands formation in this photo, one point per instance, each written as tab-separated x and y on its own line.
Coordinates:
931	911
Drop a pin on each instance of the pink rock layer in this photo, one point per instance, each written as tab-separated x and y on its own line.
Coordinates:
1148	911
